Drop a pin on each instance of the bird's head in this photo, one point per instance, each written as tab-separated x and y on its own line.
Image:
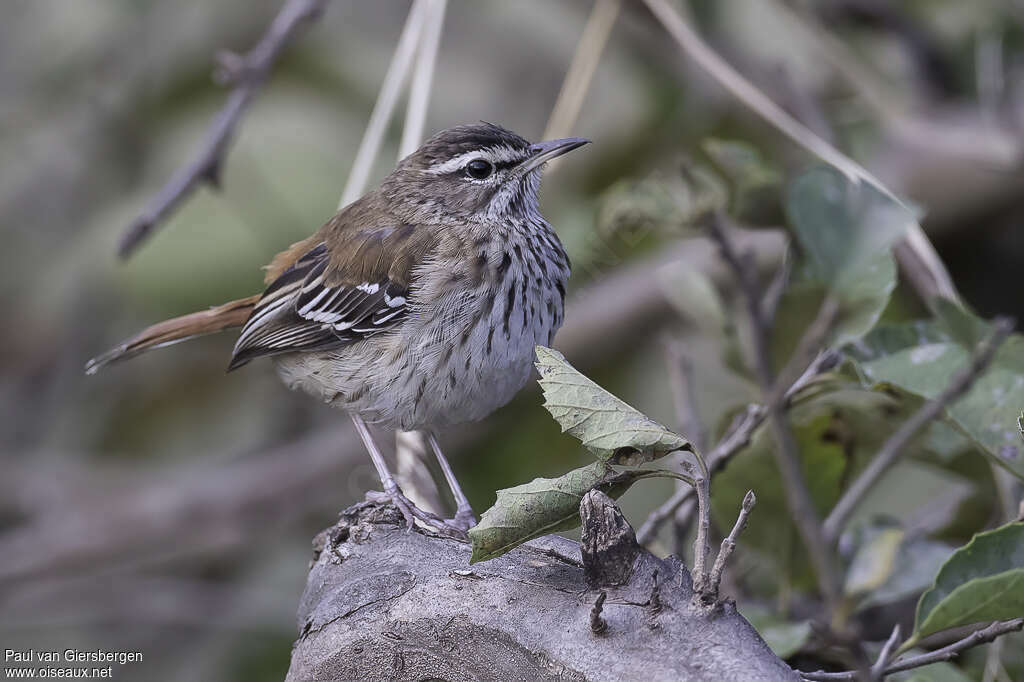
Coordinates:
477	173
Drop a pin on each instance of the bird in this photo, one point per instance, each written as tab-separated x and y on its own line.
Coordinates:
417	306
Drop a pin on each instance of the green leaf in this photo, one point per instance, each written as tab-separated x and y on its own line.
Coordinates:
607	426
540	507
771	529
842	226
912	572
982	581
861	304
889	339
987	413
783	637
873	563
960	324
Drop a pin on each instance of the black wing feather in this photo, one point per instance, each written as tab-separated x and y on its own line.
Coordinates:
299	312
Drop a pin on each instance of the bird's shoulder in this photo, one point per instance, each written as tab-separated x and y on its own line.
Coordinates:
363	242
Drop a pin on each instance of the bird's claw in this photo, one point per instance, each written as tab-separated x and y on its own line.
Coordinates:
455	528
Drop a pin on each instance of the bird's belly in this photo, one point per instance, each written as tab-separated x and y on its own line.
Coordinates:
441	368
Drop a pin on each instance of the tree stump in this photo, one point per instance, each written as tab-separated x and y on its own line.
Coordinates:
382	603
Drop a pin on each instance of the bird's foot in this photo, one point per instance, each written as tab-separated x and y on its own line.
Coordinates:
454	528
464	519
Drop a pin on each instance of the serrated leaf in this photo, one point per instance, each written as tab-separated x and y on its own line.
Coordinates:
540	507
982	581
607	426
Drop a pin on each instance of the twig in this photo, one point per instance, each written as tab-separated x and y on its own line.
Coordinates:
751	96
807	349
894	447
387	98
798	496
701	546
737	437
878	669
422	78
412	472
581	70
983	636
247	74
411	446
728	545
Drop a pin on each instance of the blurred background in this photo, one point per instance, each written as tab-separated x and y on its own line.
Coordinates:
166	507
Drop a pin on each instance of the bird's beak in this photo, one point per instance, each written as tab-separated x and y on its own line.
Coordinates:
545	151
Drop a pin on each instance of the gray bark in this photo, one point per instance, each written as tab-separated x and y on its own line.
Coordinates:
385	604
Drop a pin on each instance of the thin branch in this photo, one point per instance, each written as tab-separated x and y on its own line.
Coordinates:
808	349
727	548
411	446
387	98
581	70
745	91
247	74
422	79
884	656
701	546
413	473
737	437
894	447
983	636
798	496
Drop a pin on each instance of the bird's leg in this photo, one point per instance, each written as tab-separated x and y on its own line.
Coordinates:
464	518
392	493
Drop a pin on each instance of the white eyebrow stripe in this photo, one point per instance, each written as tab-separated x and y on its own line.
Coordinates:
500	154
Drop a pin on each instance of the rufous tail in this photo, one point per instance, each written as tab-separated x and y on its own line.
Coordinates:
216	319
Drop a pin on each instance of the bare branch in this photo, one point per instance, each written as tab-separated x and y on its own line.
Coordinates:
745	91
737	437
247	74
983	636
878	669
798	496
895	446
581	70
728	545
701	546
410	446
422	78
387	98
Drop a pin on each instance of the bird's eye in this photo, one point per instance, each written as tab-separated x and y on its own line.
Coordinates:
479	169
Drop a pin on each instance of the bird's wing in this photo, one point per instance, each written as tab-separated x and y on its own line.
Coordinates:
353	284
